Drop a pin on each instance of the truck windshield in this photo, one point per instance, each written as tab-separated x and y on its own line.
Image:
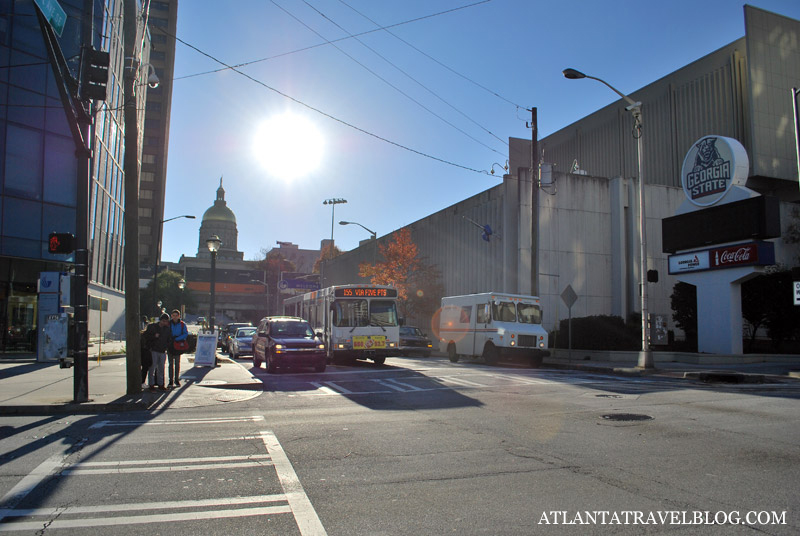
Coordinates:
504	312
529	313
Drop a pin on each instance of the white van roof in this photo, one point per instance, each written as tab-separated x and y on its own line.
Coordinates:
493	295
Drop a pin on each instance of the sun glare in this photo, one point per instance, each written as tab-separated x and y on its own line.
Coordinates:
289	146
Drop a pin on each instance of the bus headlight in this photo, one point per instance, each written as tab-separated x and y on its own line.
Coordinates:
392	344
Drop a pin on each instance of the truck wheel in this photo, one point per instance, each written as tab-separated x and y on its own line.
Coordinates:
490	354
451	352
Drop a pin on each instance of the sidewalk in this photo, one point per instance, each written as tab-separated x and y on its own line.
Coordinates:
28	387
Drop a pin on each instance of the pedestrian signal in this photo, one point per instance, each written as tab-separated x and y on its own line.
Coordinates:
61	243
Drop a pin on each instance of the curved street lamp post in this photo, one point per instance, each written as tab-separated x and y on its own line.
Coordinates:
158	252
635	108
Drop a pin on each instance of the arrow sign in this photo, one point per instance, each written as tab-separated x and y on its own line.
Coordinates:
54	14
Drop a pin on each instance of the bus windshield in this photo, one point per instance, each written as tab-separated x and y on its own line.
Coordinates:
529	313
360	313
382	313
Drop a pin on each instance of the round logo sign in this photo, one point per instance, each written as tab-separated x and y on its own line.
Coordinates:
711	167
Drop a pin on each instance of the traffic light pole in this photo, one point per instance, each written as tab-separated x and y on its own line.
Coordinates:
79	122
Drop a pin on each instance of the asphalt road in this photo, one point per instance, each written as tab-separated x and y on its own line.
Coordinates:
421	446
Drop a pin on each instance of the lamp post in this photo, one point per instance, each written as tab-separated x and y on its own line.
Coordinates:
635	108
213	244
374	237
158	250
332	202
181	286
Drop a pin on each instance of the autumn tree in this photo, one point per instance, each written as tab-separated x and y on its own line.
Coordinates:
328	252
274	263
418	285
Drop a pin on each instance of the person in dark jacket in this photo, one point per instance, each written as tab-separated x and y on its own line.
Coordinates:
179	333
146	356
158	337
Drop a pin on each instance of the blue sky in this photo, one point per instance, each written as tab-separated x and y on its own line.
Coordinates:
410	120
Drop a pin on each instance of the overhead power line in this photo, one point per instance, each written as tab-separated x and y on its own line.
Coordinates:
317	110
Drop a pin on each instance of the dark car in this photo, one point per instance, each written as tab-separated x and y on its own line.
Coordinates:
228	332
286	341
413	341
242	342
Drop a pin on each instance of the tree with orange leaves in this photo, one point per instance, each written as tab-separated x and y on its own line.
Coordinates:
417	284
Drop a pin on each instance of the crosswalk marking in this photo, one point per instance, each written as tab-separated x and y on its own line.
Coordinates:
175	422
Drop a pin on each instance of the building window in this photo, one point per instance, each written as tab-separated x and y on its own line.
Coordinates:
146	194
148	159
23	162
145	212
147	176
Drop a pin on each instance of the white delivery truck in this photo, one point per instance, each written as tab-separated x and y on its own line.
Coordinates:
492	325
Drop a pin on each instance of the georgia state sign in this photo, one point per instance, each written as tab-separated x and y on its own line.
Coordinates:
712	166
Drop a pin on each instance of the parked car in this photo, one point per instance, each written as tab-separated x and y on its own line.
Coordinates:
285	341
413	341
227	333
242	342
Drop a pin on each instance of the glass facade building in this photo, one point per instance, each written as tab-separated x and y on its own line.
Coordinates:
39	166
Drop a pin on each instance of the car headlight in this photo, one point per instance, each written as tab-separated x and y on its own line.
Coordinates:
320	346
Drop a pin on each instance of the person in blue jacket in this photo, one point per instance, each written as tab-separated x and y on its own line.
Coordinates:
179	334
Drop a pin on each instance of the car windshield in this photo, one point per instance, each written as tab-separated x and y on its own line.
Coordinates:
291	329
406	331
245	332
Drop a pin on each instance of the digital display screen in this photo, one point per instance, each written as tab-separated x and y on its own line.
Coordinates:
365	292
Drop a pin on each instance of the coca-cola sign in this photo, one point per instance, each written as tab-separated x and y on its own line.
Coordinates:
735	255
753	253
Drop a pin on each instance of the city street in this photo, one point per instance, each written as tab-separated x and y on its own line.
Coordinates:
419	446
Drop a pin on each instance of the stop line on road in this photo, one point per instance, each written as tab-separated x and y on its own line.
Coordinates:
292	501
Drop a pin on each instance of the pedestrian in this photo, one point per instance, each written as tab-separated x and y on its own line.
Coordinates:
146	356
179	345
158	337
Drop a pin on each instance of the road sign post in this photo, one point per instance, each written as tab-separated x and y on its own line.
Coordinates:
54	14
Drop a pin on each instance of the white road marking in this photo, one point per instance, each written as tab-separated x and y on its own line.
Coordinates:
50	466
460	381
325	389
304	514
165	468
339	388
173	422
175	460
386	383
407	385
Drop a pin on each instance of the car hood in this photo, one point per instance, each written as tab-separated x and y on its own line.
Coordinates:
296	341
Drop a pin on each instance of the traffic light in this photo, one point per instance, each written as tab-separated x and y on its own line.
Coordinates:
93	74
61	243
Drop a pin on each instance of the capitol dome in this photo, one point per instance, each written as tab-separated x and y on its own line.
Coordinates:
219	220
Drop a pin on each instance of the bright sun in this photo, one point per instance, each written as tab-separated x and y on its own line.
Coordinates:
289	146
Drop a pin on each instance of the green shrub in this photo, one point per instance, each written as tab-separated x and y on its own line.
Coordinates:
601	332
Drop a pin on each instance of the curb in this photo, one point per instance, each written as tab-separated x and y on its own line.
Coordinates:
71	408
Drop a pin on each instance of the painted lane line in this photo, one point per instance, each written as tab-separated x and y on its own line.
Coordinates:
339	388
406	385
52	465
173	422
138	507
386	383
304	514
136	520
248	457
324	388
460	381
165	468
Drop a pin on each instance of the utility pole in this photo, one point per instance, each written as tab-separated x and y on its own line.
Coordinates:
534	175
131	167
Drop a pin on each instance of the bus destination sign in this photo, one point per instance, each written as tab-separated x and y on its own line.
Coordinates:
365	292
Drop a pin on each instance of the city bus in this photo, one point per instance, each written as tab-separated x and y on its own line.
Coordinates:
356	321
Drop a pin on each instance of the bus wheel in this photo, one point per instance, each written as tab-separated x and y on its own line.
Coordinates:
451	352
490	354
379	360
536	360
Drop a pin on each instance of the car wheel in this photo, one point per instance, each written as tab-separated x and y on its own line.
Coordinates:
490	354
233	354
256	361
320	366
426	354
272	368
451	352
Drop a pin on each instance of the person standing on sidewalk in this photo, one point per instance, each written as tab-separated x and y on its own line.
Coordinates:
158	336
179	345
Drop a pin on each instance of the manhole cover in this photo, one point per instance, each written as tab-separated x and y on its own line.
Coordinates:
627	417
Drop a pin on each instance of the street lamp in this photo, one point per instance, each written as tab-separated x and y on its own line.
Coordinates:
635	108
332	202
181	286
374	237
266	291
158	249
213	244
